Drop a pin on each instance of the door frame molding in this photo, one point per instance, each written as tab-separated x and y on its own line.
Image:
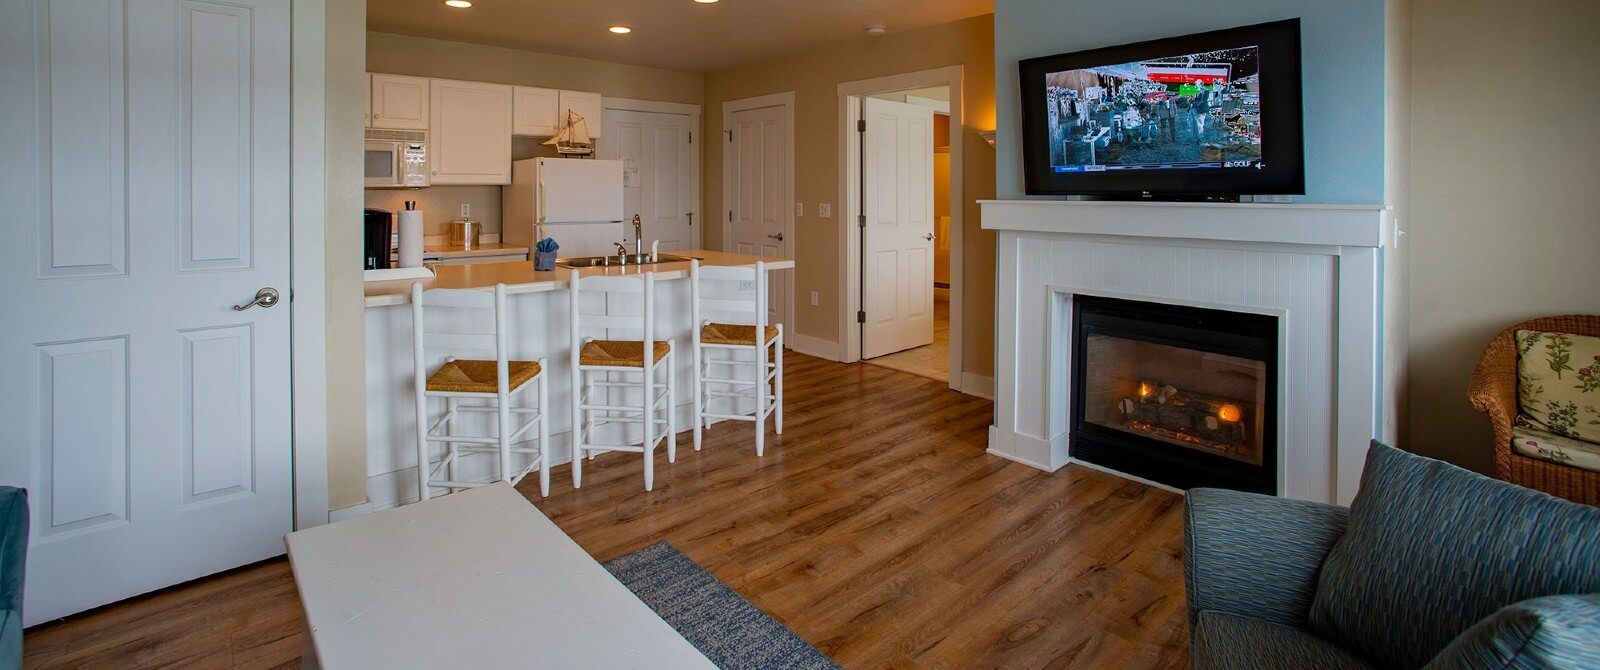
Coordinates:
729	107
695	115
308	298
850	95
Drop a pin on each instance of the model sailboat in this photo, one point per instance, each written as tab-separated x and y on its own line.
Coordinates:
573	138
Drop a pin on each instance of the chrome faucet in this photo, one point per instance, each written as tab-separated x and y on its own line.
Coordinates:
638	236
622	253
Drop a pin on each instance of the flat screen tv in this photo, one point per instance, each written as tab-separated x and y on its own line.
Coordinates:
1199	116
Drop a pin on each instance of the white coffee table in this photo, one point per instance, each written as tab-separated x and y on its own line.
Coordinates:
476	579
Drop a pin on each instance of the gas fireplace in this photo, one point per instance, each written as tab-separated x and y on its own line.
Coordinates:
1180	395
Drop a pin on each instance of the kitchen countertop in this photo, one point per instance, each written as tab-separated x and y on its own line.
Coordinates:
485	249
520	277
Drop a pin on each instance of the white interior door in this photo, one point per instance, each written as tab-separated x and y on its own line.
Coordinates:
149	181
756	191
897	243
659	176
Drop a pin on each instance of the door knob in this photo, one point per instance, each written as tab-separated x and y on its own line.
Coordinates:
778	237
266	297
928	237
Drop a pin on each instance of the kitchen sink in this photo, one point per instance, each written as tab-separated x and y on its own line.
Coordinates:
617	261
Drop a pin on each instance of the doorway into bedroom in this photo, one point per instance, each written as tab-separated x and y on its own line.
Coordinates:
905	261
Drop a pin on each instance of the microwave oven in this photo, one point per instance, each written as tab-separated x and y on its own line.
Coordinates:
396	159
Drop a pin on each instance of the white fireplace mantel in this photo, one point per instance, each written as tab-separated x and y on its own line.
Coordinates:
1319	268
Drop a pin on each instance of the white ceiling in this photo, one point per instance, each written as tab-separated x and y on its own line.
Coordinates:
674	34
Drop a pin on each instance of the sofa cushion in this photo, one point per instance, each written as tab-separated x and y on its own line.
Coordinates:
1535	443
10	640
1228	642
1431	548
1558	383
1550	632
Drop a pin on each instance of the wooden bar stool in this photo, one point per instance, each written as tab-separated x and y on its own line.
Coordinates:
730	314
453	319
626	357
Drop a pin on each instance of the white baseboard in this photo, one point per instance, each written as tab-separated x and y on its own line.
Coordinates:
351	512
814	346
977	385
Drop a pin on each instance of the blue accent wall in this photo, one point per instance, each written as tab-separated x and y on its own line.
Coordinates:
1342	67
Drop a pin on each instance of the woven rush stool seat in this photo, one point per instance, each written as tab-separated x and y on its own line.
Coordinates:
475	376
620	353
727	333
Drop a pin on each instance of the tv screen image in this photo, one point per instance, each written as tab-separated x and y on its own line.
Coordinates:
1196	111
1208	115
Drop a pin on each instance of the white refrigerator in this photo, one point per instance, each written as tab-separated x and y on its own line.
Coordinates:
578	201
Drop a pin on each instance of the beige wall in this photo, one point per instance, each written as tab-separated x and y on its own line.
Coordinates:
347	426
422	57
814	76
1503	226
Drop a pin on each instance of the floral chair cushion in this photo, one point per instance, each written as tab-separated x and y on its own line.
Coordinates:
1535	443
1558	384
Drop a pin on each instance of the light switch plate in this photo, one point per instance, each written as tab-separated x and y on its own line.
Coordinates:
799	210
825	210
814	298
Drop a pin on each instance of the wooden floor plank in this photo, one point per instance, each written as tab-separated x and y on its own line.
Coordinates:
876	527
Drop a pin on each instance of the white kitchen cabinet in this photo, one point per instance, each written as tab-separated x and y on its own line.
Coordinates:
398	102
537	111
587	105
470	132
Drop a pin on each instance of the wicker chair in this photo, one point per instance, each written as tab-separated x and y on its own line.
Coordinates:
1493	391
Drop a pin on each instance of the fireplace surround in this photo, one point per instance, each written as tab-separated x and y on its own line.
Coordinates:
1321	271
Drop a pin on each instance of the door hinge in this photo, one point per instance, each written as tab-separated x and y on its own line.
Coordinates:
861	317
730	215
861	220
861	125
730	135
691	137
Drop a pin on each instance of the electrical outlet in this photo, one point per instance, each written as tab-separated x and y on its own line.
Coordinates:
466	211
814	298
799	210
825	210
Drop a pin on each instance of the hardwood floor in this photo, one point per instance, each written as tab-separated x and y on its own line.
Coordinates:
876	527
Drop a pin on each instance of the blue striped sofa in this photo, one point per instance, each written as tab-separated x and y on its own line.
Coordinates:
13	555
1430	567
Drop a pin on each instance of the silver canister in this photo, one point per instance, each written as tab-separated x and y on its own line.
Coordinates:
466	234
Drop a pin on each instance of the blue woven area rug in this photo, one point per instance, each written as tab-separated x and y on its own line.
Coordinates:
724	626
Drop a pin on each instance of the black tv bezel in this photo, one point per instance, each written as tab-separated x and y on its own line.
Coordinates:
1282	141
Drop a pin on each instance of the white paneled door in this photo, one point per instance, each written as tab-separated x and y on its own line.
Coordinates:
660	178
897	243
756	193
148	194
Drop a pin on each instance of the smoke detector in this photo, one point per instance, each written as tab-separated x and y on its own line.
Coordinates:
876	31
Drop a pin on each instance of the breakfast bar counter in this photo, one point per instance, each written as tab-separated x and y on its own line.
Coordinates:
538	315
520	277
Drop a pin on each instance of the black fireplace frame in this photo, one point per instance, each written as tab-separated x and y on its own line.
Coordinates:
1241	334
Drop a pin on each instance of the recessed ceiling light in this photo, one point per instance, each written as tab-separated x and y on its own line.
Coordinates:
620	30
706	2
876	31
458	4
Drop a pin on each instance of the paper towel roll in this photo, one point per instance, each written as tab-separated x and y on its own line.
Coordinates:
411	239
